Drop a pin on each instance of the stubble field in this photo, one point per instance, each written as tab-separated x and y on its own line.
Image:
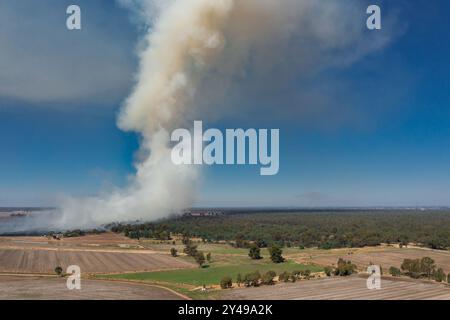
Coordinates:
383	256
340	288
46	288
94	254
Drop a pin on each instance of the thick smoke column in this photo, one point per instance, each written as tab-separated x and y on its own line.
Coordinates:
184	41
194	55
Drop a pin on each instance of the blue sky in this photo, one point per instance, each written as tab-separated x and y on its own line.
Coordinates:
383	139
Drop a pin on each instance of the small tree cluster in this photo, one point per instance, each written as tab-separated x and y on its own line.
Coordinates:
240	242
344	268
439	275
328	271
284	277
306	274
290	276
261	243
396	272
190	249
226	282
268	278
420	268
252	279
200	258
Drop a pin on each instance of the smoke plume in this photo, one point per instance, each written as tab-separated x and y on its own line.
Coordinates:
197	58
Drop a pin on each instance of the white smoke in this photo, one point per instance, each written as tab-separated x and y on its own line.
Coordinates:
197	54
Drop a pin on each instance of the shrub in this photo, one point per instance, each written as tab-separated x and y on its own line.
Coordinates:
74	233
296	273
226	282
276	254
344	268
252	279
261	243
439	275
190	249
293	277
239	279
254	252
268	277
174	252
395	271
427	266
328	271
59	271
412	268
306	274
284	276
200	258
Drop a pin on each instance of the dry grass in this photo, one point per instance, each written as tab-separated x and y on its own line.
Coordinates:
384	256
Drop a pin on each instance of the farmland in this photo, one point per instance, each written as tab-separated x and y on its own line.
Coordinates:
45	261
384	256
112	262
94	254
212	275
351	288
50	288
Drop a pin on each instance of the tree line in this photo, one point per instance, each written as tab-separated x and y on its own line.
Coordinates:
325	229
424	268
256	279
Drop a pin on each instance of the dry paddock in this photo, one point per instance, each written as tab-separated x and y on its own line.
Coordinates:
44	261
384	257
47	288
344	288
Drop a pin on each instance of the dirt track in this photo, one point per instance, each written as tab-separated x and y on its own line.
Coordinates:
340	288
46	288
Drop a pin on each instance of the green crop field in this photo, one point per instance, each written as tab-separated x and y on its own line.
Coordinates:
213	274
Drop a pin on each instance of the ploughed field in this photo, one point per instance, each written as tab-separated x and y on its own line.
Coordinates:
45	261
344	288
52	288
105	253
